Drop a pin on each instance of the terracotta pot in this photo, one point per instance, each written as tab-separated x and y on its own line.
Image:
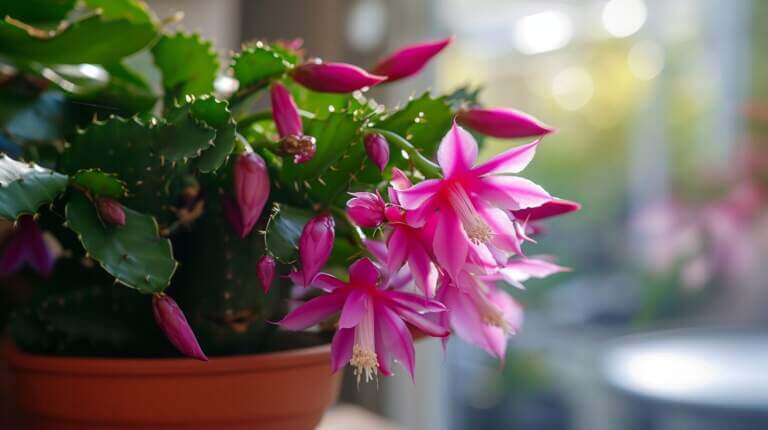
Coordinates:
283	390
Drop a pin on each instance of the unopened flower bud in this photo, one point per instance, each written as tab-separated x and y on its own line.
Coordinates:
265	270
502	122
301	147
26	244
110	211
409	60
366	209
315	245
174	325
285	113
377	148
251	189
334	77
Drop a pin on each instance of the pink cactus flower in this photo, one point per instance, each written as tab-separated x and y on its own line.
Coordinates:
334	77
518	270
409	60
377	148
285	113
111	211
480	313
26	245
502	122
468	205
366	209
372	327
315	245
410	245
265	270
174	324
251	189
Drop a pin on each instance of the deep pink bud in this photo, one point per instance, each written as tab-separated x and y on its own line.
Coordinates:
502	122
174	324
334	77
377	148
300	146
551	208
315	245
409	60
111	211
366	209
265	269
251	189
26	244
284	111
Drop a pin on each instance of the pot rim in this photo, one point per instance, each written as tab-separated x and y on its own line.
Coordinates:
28	362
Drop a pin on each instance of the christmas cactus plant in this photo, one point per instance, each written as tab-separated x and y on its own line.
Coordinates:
158	207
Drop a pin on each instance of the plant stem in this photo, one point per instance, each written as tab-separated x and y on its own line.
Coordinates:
425	166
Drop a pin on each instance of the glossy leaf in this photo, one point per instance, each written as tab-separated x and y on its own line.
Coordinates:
24	187
134	254
187	62
423	122
283	231
258	63
100	183
215	114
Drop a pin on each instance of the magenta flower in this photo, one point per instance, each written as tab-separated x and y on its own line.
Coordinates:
111	211
409	60
265	270
315	245
251	189
174	324
480	313
502	122
366	209
377	148
285	113
372	329
468	205
26	244
409	245
334	77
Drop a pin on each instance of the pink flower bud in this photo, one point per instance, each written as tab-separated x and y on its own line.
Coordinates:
377	148
284	111
549	209
251	189
366	209
265	269
26	244
315	245
334	77
409	60
502	122
174	324
111	211
301	147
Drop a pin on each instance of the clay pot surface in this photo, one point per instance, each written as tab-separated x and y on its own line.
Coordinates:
287	390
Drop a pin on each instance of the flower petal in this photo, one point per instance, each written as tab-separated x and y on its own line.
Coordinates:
549	209
423	271
504	233
415	302
502	122
363	272
521	269
341	348
396	336
354	309
510	161
313	311
511	192
457	152
397	245
415	196
451	243
326	282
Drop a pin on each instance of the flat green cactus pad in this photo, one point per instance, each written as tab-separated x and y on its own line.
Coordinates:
134	254
24	187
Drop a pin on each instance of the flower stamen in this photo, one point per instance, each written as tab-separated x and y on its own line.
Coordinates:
364	358
477	230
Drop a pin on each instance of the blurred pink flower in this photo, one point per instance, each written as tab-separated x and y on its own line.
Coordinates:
26	244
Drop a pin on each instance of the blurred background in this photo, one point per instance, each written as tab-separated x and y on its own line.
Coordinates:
661	108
